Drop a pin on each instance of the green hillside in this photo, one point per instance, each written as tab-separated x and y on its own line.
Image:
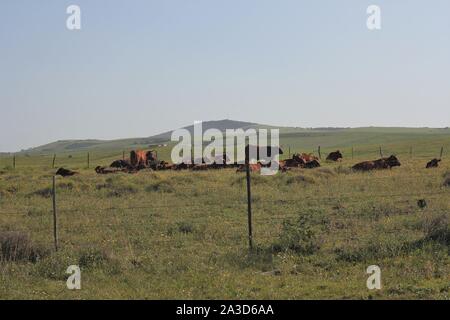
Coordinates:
355	143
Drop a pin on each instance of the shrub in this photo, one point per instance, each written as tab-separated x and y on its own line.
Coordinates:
374	248
324	172
120	191
185	227
300	179
182	227
54	267
298	236
437	229
93	258
343	170
65	186
160	186
17	246
35	212
447	180
45	192
12	189
259	258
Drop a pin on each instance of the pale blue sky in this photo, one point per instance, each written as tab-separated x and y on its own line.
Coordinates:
138	68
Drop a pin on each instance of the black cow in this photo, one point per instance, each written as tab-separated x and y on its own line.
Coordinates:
433	163
335	156
65	172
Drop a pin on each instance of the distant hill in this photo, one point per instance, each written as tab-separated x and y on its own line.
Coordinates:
86	145
221	125
292	138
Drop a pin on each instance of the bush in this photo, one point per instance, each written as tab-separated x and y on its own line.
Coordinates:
261	258
45	192
437	229
93	258
343	170
185	227
17	246
298	236
447	180
324	172
300	179
374	248
182	227
160	186
65	186
119	191
54	267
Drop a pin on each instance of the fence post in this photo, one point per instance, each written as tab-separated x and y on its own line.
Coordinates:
320	155
289	152
442	152
55	226
88	160
53	162
353	151
381	152
249	206
14	161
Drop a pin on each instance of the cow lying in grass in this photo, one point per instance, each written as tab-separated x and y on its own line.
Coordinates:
335	156
303	160
253	168
121	164
65	172
312	164
433	163
383	163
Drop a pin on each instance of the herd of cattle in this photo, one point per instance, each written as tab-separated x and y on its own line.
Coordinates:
140	160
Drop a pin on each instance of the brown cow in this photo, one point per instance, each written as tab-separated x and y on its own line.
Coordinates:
65	172
106	170
433	163
103	170
253	167
138	158
163	165
335	156
200	167
181	166
383	163
307	157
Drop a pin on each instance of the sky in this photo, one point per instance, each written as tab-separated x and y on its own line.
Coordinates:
138	68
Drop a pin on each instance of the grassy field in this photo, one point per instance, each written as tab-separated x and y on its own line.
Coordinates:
183	235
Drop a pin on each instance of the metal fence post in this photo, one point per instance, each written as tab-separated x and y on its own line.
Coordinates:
55	225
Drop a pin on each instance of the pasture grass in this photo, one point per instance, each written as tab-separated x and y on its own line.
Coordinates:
183	235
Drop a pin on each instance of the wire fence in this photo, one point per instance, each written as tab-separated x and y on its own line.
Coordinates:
91	159
235	232
236	223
